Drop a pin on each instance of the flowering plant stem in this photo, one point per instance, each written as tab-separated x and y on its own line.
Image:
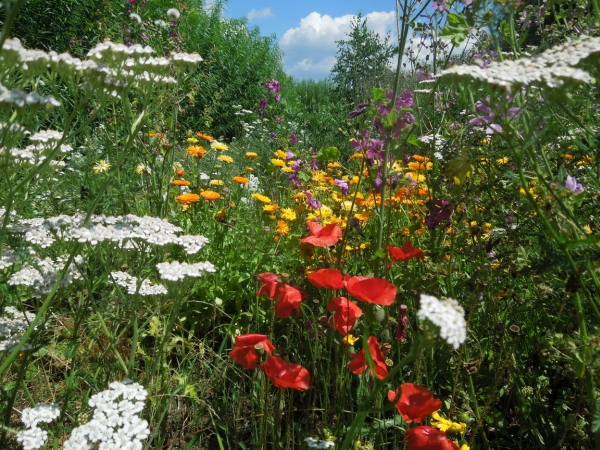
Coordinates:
365	407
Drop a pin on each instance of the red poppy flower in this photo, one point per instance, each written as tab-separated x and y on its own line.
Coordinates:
372	290
405	253
359	361
244	351
415	402
345	314
321	236
428	438
270	283
286	375
327	279
289	300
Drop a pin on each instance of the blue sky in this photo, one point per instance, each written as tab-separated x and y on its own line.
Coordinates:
307	29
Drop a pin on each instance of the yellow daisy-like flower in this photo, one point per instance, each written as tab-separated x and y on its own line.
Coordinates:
227	159
357	156
334	165
287	169
261	198
364	216
502	161
197	151
278	162
248	169
216	183
141	168
416	176
241	180
101	166
220	214
447	426
192	140
280	154
218	146
282	228
287	214
210	195
270	208
350	340
206	137
251	155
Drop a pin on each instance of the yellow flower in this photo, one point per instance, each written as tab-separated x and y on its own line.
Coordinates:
280	154
282	228
270	208
447	426
219	146
350	340
465	447
415	176
334	165
278	162
356	156
216	182
288	214
101	166
227	159
186	199
210	195
220	214
251	155
248	169
206	137
261	198
197	151
287	169
502	161
192	140
141	168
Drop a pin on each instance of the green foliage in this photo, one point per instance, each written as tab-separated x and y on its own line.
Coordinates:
362	60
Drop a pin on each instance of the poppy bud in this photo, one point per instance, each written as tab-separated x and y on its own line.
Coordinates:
260	349
378	314
385	336
386	349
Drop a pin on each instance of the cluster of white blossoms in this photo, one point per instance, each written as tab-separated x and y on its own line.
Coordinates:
13	324
447	315
43	274
44	143
131	283
110	68
127	232
33	437
551	68
175	270
317	443
115	423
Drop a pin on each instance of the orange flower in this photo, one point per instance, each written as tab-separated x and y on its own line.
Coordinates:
206	137
180	182
186	199
179	172
197	151
241	180
282	228
420	158
210	195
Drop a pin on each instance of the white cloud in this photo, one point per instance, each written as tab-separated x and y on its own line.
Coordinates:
309	50
259	13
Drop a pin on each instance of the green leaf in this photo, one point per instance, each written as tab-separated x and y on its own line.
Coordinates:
413	140
596	418
304	176
459	169
390	120
378	94
456	28
504	28
329	154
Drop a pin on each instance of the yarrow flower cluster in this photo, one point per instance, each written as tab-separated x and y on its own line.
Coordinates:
42	276
115	423
551	68
317	443
447	315
33	437
131	283
13	324
175	271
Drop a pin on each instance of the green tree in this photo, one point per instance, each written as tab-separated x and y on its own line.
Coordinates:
362	61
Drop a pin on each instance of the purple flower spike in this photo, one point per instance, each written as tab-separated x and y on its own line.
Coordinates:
440	210
272	86
343	185
278	97
294	139
289	155
572	185
262	104
312	202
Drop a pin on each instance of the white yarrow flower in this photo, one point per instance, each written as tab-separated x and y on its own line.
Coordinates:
447	315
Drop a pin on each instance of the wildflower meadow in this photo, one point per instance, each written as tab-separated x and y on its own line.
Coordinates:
198	251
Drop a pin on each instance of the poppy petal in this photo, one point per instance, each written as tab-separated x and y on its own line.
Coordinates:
372	290
286	375
326	278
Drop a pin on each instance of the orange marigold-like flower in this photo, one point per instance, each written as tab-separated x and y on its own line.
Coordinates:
420	158
179	172
241	180
206	137
282	228
180	182
210	195
197	151
186	199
